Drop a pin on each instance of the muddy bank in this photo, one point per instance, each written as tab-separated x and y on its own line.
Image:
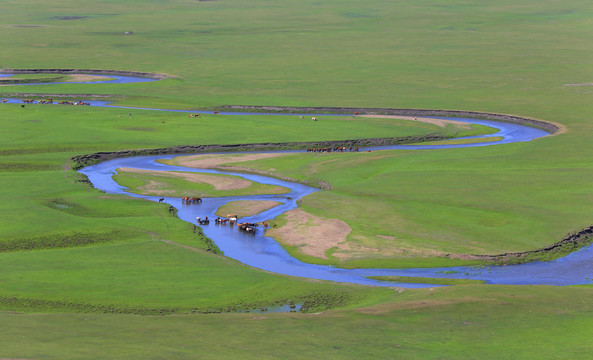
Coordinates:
86	71
89	159
547	126
568	244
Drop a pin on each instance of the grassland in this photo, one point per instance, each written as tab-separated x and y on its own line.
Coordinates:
95	253
461	322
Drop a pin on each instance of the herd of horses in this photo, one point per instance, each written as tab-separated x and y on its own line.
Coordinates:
330	149
199	115
231	219
50	101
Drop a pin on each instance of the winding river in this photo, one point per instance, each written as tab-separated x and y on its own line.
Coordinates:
264	253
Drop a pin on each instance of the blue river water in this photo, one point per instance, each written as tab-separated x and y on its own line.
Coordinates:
265	253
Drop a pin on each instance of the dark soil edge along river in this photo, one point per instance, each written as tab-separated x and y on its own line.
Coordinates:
568	244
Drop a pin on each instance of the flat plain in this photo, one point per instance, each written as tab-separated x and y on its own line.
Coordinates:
91	275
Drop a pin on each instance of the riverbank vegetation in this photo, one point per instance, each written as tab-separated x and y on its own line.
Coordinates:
97	253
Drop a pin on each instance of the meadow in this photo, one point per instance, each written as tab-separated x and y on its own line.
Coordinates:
71	254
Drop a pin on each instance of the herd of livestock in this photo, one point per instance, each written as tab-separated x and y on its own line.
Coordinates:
50	101
231	219
334	149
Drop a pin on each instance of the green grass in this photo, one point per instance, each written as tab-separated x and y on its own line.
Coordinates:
461	322
182	280
527	58
41	128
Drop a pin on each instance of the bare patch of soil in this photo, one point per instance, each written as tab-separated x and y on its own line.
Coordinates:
438	122
211	161
83	78
219	182
243	208
311	234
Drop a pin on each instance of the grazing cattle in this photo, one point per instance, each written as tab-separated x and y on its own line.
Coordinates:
161	199
314	118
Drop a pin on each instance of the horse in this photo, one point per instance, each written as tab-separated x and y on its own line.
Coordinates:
247	227
161	199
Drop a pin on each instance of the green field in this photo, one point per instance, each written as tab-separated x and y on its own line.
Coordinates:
90	275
